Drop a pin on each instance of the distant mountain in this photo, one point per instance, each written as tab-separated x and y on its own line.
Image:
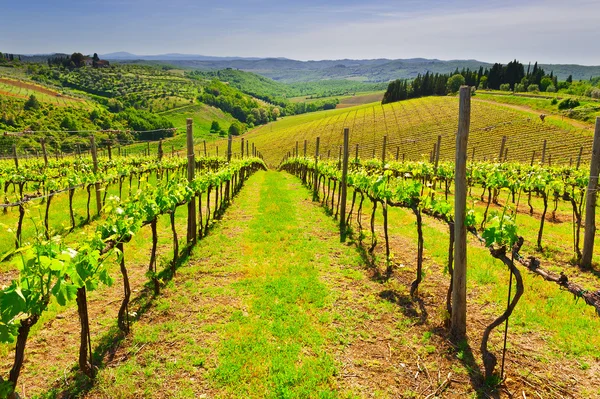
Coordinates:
123	55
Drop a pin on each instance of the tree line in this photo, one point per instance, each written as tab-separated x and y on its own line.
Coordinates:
511	76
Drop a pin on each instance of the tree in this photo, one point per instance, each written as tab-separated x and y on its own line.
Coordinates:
570	79
545	82
551	89
32	103
214	127
483	82
455	82
505	87
235	129
78	60
533	88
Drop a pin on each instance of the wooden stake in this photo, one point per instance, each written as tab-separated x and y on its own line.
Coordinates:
242	149
229	141
384	150
590	206
459	286
579	157
316	174
397	153
343	187
437	152
191	168
502	149
305	142
544	153
205	154
15	156
95	161
43	142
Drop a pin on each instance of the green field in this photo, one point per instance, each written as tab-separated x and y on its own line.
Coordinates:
412	128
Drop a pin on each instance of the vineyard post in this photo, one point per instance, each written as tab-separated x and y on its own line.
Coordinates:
329	153
550	160
229	141
242	149
316	173
473	155
532	158
590	207
502	149
205	148
217	150
397	153
305	148
247	147
43	142
356	157
343	186
579	157
297	153
160	150
544	152
459	283
95	160
148	148
109	151
384	150
78	151
15	156
505	154
340	158
253	150
191	167
437	153
373	153
172	151
119	151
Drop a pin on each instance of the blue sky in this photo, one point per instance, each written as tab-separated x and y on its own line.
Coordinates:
548	31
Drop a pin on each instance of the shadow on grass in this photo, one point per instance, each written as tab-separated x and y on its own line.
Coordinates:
75	384
413	308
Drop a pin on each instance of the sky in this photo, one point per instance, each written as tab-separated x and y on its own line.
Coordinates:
547	31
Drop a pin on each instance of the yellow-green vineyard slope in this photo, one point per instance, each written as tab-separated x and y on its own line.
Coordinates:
412	128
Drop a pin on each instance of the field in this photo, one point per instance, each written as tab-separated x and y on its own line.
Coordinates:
23	89
412	128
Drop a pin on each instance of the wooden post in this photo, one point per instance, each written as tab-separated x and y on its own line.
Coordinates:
437	152
459	281
544	153
328	153
505	154
108	147
502	149
297	153
473	155
159	153
205	148
316	174
253	150
305	142
229	141
579	157
242	149
384	150
397	153
550	160
373	153
532	158
247	146
191	168
590	206
148	148
43	142
343	187
356	157
16	158
217	150
78	150
95	160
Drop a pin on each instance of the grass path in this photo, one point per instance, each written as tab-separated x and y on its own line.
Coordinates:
272	305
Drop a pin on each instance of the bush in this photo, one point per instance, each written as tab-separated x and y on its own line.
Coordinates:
533	88
520	88
551	89
32	103
236	129
554	101
505	87
214	127
568	103
595	93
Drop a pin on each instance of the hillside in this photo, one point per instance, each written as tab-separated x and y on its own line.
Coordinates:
412	128
377	70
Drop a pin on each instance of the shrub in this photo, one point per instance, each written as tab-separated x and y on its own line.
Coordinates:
595	93
519	88
551	89
568	103
505	87
32	103
533	88
554	101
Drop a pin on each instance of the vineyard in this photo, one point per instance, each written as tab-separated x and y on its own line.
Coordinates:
123	276
412	128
